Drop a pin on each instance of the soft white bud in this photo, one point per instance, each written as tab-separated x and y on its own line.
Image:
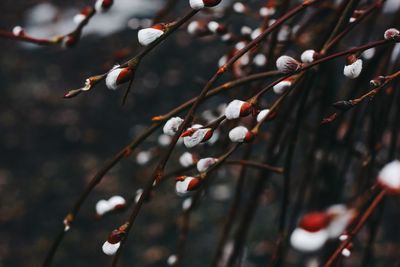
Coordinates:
172	259
187	203
255	33
102	207
205	163
306	241
232	111
183	187
172	126
213	26
389	176
353	70
17	30
196	138
110	249
267	11
143	157
245	30
308	56
149	35
164	140
186	159
286	64
196	4
260	60
238	134
263	113
78	18
239	7
346	252
115	201
282	86
192	27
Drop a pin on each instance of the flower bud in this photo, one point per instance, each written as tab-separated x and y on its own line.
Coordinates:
172	260
85	12
109	248
216	27
143	157
205	163
282	86
199	4
392	34
185	184
262	114
240	134
260	60
308	56
103	5
102	207
340	217
353	67
172	126
311	234
194	136
286	64
237	108
149	35
389	177
239	7
187	159
187	203
117	76
18	31
117	202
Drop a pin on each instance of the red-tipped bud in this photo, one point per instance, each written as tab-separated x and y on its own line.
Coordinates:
199	4
392	34
103	5
286	64
118	76
237	108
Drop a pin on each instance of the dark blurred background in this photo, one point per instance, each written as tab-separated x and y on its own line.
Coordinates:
51	146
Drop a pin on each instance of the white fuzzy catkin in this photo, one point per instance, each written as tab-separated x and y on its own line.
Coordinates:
192	27
205	163
172	126
389	176
112	76
172	259
196	4
110	249
239	7
341	218
307	56
17	30
78	18
116	201
213	26
260	60
187	203
286	64
186	159
306	241
282	86
181	187
149	35
102	207
232	111
353	70
143	157
238	134
262	114
196	138
98	6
